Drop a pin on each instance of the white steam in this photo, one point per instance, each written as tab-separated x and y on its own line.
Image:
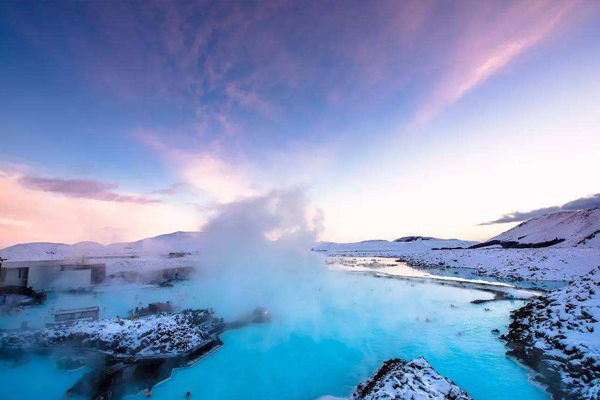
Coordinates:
256	252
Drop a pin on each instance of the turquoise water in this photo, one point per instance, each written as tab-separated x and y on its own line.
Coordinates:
323	340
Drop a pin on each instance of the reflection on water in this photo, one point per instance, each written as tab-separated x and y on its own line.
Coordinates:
393	267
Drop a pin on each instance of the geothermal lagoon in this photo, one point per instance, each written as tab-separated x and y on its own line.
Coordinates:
327	334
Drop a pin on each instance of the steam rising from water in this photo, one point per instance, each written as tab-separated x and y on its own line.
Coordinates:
256	252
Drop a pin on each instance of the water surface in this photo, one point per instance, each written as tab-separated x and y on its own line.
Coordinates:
323	340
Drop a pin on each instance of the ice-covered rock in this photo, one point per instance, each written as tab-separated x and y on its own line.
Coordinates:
407	380
558	335
164	334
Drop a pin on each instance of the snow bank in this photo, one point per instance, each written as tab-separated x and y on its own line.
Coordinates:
558	335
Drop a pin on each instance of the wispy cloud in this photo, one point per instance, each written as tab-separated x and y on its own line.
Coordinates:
221	60
204	170
493	35
81	188
574	205
175	188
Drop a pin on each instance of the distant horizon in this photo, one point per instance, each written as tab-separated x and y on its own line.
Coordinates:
125	120
512	225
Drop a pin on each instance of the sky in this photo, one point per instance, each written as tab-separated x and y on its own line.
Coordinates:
123	120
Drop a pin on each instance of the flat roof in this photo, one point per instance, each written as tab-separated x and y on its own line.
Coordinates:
74	310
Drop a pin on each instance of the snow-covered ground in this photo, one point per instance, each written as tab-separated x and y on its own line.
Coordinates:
577	253
546	264
407	380
559	335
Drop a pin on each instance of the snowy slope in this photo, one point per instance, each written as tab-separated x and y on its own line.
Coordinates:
167	243
36	251
578	228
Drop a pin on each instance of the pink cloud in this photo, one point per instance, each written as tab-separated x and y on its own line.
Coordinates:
81	188
28	215
493	36
218	60
175	188
204	170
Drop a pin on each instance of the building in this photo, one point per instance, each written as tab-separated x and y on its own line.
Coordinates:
72	315
51	274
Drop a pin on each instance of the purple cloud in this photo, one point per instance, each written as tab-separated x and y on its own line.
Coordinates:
81	188
173	189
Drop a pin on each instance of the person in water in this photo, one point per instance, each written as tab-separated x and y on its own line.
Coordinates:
188	395
68	394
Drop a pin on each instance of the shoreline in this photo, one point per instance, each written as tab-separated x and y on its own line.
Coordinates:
499	295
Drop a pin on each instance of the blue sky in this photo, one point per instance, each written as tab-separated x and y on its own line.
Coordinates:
397	118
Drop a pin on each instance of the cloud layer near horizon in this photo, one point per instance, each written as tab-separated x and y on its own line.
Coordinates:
582	203
32	210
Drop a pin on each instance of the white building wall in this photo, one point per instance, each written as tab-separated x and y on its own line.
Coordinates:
11	277
51	277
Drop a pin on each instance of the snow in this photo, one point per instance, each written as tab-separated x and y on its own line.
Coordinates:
561	333
543	264
578	254
578	228
186	242
378	247
407	380
164	334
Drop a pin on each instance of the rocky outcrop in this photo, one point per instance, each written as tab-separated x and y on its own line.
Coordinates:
407	380
558	335
408	239
166	334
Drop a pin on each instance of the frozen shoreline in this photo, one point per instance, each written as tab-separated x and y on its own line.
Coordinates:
501	291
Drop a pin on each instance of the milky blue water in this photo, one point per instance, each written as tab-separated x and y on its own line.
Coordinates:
321	341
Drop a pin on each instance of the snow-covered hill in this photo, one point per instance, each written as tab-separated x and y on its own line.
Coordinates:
577	228
169	243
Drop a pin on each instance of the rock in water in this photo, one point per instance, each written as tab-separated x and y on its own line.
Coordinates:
408	380
166	334
558	335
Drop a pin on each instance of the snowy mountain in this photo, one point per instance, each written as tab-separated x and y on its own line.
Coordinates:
167	243
575	228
